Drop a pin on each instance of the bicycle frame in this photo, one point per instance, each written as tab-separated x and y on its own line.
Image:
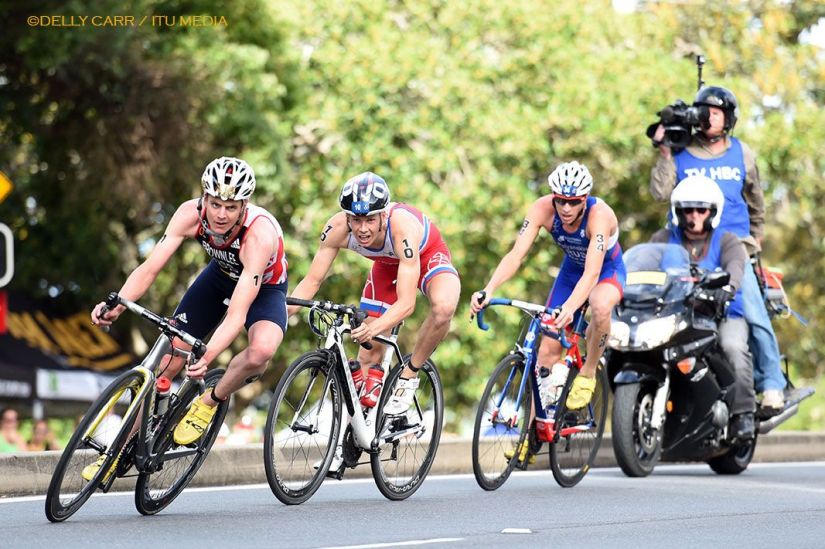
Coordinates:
145	460
364	429
526	347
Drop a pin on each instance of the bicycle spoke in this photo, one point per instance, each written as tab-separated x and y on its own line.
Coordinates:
501	423
580	436
301	430
408	442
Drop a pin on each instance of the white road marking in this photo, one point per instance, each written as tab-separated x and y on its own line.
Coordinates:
395	543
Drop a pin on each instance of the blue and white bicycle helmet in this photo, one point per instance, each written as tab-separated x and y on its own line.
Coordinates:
570	179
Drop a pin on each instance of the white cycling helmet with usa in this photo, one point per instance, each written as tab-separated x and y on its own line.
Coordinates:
228	178
570	179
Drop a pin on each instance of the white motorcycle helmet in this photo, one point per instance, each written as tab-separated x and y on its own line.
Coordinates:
697	191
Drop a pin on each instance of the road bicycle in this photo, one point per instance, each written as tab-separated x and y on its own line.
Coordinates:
505	418
107	433
306	416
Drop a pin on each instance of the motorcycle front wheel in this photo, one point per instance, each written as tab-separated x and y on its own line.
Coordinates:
636	445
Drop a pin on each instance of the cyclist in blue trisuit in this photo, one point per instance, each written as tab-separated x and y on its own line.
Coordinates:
587	230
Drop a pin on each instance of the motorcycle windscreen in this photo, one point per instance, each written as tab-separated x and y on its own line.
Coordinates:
657	271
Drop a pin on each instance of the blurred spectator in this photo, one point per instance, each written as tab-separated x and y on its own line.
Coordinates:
243	432
42	437
10	438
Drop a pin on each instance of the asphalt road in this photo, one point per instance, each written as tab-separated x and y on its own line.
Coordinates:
770	505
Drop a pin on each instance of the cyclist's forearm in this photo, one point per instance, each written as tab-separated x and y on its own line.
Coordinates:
306	289
397	312
506	269
223	337
138	283
581	291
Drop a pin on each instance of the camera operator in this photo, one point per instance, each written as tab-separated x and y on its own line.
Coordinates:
713	152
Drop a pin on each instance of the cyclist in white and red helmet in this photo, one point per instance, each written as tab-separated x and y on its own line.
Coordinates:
248	269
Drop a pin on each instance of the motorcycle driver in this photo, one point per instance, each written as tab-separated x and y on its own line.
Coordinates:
697	203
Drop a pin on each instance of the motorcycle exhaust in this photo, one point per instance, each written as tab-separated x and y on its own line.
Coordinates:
769	425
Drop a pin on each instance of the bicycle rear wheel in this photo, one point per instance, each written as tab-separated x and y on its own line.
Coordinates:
409	441
101	432
302	428
156	489
501	423
581	434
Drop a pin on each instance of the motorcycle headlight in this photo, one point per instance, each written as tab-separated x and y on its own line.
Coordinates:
653	333
619	334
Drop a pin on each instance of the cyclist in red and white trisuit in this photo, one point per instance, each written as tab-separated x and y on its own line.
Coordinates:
248	268
408	253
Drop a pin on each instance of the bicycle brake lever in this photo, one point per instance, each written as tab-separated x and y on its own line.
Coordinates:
111	301
357	319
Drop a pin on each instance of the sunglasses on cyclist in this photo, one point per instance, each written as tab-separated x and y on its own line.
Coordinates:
562	201
700	211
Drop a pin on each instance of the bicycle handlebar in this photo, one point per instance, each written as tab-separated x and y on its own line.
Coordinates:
530	308
356	315
163	324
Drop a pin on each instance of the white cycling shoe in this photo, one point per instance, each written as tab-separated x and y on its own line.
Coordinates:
402	396
337	460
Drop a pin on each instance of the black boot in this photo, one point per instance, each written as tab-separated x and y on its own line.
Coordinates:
742	426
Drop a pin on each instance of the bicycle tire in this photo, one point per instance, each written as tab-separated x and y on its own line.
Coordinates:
573	455
500	430
101	431
399	467
155	490
297	460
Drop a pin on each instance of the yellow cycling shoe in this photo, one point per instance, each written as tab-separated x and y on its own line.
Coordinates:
581	392
91	470
195	422
523	448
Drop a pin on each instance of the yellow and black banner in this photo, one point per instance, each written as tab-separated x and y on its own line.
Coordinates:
41	336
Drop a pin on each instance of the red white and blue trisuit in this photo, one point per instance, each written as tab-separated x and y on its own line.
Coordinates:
203	307
380	290
575	246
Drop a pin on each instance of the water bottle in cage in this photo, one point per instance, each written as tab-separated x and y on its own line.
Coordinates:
164	390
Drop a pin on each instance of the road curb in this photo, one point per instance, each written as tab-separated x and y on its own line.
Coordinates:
28	474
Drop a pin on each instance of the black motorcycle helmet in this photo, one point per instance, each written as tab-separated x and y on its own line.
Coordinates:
721	98
364	194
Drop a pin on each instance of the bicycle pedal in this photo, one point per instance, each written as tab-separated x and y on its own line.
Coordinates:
337	474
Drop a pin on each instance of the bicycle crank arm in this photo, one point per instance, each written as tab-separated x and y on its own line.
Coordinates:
418	430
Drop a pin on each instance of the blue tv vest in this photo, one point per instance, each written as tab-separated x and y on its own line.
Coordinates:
713	262
728	171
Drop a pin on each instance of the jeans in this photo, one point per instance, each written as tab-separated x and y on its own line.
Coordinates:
767	370
733	335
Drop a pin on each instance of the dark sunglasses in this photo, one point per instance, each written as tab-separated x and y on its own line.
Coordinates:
700	211
567	201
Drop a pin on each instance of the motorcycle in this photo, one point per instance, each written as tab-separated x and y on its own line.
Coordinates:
671	380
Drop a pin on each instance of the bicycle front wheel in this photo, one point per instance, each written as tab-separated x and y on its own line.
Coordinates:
157	488
581	434
408	442
302	428
501	423
102	432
